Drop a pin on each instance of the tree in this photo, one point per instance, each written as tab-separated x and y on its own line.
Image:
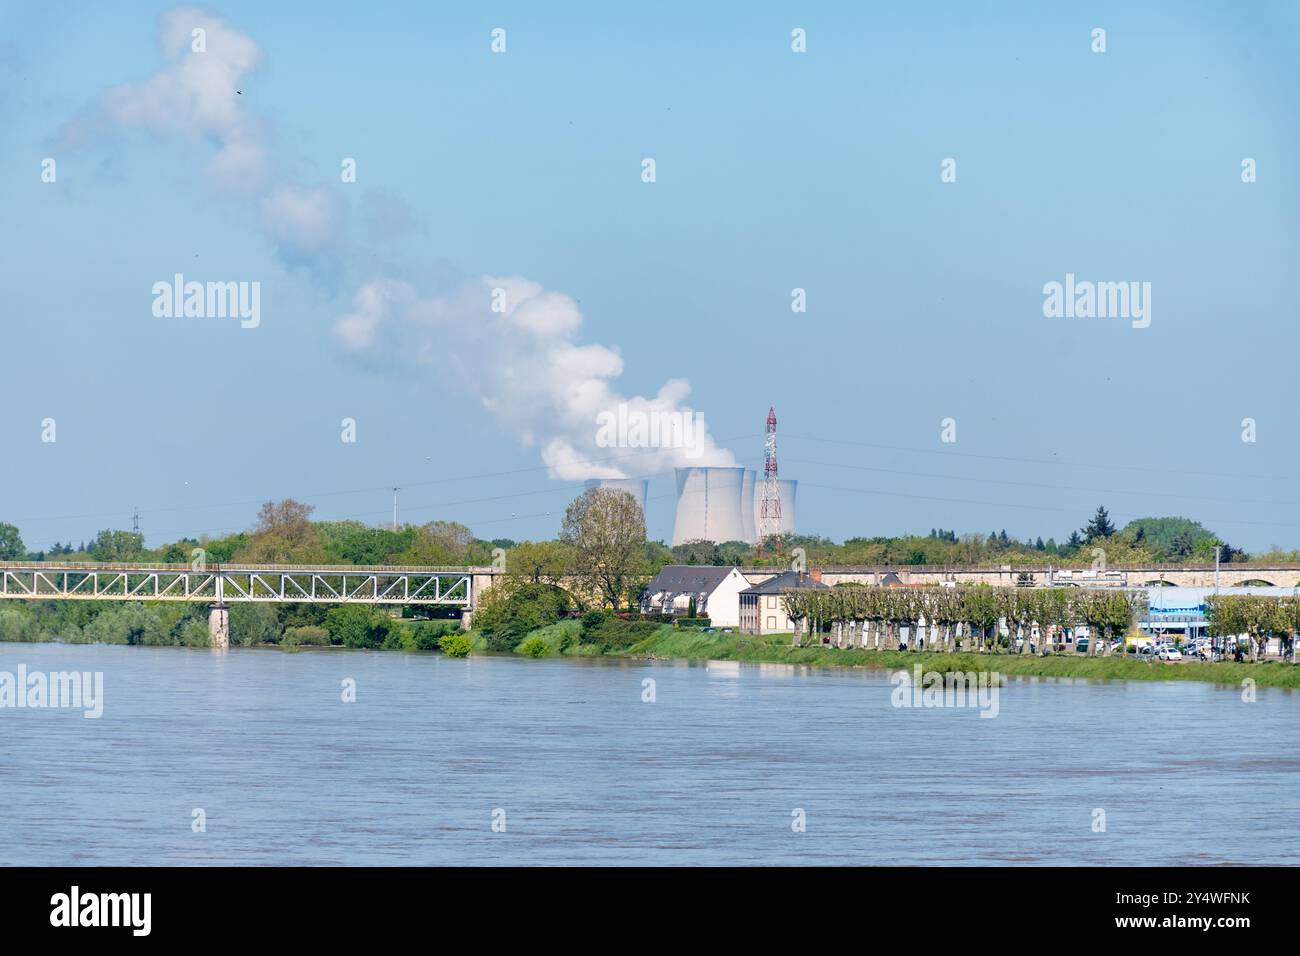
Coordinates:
982	611
358	625
284	534
606	530
253	624
11	543
539	562
440	543
1098	527
507	616
119	546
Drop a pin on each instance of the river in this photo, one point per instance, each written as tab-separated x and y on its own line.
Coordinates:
575	767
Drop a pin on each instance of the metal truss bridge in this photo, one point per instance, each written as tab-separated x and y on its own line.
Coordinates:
220	585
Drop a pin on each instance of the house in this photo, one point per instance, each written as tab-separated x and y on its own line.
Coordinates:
761	609
716	592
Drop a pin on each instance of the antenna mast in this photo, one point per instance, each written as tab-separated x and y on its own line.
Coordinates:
769	519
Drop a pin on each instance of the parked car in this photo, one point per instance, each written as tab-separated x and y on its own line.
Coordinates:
1147	652
1170	654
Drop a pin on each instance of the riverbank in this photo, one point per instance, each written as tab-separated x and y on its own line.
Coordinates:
669	643
564	639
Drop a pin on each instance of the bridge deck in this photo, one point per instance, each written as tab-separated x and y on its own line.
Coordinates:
240	583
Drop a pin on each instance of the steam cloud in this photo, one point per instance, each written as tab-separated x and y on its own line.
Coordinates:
525	363
198	95
527	367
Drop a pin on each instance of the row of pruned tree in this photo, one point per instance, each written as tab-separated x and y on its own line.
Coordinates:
971	618
1257	617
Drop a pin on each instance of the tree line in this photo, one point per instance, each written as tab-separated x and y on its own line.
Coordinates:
284	533
1258	617
969	618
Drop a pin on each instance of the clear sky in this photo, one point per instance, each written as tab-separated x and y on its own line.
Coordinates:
775	170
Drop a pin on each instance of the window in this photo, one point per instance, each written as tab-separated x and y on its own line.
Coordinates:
771	624
771	602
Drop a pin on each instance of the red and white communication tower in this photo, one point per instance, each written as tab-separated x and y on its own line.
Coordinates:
769	515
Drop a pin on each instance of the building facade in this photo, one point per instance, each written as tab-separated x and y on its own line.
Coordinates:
762	610
716	592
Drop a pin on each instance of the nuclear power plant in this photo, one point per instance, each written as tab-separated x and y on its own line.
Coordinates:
709	506
735	504
724	503
638	488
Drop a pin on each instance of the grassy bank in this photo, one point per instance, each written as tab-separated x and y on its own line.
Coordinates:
777	649
566	638
687	644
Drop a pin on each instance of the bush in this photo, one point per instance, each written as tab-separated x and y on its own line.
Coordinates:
356	625
194	633
593	619
507	617
454	645
535	646
426	635
399	637
252	624
692	622
16	625
615	634
307	636
127	624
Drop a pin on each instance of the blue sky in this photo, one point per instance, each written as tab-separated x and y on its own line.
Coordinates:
775	170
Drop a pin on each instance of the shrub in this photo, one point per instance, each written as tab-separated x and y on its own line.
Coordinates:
535	646
615	634
194	633
593	619
426	635
306	636
127	624
692	622
252	624
16	625
454	645
399	636
507	617
356	625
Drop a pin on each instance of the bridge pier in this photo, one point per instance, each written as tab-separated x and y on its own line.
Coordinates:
219	626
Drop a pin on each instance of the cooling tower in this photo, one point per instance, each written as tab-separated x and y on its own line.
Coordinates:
786	488
708	505
636	487
747	506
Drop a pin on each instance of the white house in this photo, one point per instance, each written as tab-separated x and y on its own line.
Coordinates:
716	592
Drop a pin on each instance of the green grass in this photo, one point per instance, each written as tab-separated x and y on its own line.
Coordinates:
776	649
554	634
690	644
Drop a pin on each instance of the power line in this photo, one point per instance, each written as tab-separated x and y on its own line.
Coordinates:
1040	461
1046	485
370	490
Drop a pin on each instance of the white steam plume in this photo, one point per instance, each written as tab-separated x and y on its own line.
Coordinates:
527	367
